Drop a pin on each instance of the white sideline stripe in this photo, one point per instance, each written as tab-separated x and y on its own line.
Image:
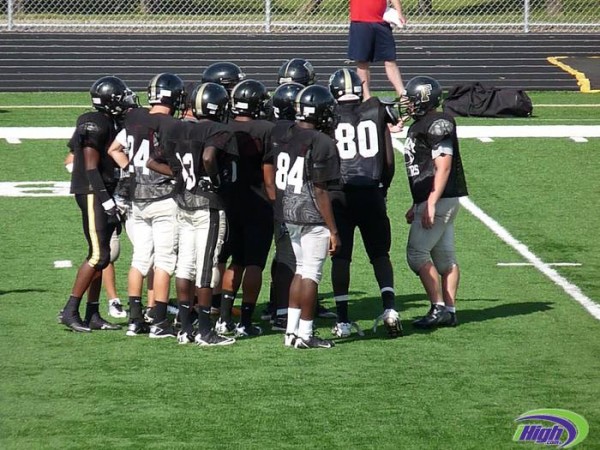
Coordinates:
491	131
573	291
35	189
522	264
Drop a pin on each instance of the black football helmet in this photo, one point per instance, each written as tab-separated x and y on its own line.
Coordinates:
283	100
111	95
346	86
209	101
227	74
315	104
421	94
248	98
167	89
296	70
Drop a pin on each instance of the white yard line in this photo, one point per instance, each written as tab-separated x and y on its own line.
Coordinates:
524	264
573	291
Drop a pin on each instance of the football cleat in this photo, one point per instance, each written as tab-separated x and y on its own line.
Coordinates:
344	329
391	321
247	330
212	339
420	319
115	309
185	338
313	342
98	323
162	330
290	339
135	328
222	327
149	315
438	316
73	321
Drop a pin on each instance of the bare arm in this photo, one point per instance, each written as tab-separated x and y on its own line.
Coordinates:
115	151
269	179
211	166
160	167
397	5
324	205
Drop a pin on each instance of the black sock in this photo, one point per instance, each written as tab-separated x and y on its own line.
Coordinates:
91	308
159	311
72	305
135	309
341	308
204	322
216	301
185	316
247	311
227	300
389	299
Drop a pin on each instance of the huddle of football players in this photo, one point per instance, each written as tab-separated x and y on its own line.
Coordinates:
218	171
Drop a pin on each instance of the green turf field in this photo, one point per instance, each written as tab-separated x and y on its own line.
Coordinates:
523	341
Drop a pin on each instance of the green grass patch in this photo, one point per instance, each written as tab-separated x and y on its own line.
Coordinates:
522	343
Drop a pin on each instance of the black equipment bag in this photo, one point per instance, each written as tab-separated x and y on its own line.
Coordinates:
481	100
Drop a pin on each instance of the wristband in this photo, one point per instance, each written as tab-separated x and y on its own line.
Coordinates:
69	167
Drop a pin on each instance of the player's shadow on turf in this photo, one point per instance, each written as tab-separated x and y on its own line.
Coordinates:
501	311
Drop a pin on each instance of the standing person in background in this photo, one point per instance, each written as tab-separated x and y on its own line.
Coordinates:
93	182
437	181
371	40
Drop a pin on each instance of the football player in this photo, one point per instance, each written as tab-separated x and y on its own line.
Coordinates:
304	160
284	261
93	183
192	149
225	73
366	155
115	308
250	215
153	207
437	181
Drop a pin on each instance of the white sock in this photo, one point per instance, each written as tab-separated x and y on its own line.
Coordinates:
305	329
439	303
451	309
293	319
116	299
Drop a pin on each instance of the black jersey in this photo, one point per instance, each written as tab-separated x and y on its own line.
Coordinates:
253	138
183	147
96	130
280	133
424	137
360	139
302	157
141	137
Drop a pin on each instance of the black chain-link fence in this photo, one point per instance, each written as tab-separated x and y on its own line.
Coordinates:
277	16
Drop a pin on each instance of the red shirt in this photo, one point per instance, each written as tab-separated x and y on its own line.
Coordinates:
367	10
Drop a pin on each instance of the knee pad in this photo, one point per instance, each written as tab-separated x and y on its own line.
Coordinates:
444	262
416	259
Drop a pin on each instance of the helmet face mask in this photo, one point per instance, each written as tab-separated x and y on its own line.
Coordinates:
296	70
209	101
111	95
225	73
346	86
315	104
167	89
283	101
421	95
249	98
